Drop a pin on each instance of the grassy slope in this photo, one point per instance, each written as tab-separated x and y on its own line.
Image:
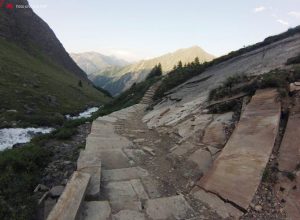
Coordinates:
29	80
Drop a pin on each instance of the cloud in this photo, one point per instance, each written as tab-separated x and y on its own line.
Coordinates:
285	23
295	14
259	9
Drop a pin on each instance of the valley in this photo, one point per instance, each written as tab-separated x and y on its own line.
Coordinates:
117	78
195	155
181	136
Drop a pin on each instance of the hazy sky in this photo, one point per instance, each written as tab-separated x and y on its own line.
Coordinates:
137	29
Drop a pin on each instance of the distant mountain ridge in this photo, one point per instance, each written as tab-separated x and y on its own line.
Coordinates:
116	79
93	62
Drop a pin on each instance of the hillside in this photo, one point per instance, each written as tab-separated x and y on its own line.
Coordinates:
119	80
39	81
92	62
225	138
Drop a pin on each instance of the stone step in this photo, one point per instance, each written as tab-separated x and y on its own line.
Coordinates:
237	172
125	194
113	159
124	174
68	205
89	162
175	207
95	210
94	143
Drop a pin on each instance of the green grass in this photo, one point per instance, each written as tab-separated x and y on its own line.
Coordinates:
20	173
30	82
246	84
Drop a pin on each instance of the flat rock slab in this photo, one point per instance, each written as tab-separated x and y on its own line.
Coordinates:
95	210
203	160
215	132
107	118
114	159
237	171
102	143
90	163
102	128
225	210
175	207
68	205
131	190
192	126
289	191
123	174
183	148
129	215
289	152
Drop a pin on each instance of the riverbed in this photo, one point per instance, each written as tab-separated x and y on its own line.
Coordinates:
11	136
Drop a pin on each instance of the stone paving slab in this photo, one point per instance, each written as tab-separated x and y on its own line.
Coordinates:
237	172
102	143
225	210
175	207
95	210
91	163
129	215
104	129
215	133
68	205
123	174
114	159
107	118
131	190
289	152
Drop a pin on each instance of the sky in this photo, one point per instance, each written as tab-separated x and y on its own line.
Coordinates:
141	29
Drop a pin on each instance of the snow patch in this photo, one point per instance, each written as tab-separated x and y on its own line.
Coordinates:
11	136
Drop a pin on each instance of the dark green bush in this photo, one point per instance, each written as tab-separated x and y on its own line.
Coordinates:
20	173
293	60
64	133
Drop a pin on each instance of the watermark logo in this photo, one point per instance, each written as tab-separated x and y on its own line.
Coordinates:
9	6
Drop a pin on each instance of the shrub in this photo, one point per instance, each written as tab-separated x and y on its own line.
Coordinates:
230	88
232	105
273	79
64	133
293	60
291	176
20	173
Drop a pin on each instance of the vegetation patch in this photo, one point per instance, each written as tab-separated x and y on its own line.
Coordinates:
228	106
179	75
36	89
293	60
235	85
20	172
